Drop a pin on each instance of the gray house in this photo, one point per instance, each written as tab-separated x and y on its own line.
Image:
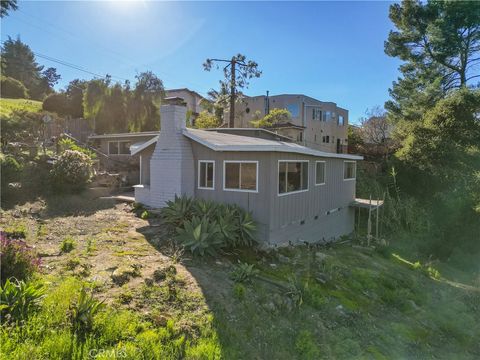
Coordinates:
295	193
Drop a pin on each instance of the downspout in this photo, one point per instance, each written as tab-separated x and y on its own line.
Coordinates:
304	119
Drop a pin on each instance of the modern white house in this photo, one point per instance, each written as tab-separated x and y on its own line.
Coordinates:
295	193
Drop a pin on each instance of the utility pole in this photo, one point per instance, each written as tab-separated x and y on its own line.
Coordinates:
231	122
236	72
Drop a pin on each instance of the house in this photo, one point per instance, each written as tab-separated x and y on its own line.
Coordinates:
116	152
193	100
295	193
315	124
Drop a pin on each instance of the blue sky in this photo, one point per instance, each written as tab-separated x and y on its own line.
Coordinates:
332	51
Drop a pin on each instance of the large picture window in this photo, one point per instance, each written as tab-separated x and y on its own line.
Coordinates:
292	176
349	170
206	174
320	173
240	176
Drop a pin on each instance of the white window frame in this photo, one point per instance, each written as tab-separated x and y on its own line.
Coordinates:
199	172
225	162
118	146
324	172
355	170
296	191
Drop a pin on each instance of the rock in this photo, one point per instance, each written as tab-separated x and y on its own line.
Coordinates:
270	306
273	266
321	256
123	274
283	259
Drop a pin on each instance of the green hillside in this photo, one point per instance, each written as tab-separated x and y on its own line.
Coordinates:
7	106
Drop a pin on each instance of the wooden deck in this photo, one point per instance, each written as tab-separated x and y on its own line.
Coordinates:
366	203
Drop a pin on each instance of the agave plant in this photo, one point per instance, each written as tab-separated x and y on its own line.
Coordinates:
178	210
200	236
228	226
243	272
204	208
18	299
82	313
246	228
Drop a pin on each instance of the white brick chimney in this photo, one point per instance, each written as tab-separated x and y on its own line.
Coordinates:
171	164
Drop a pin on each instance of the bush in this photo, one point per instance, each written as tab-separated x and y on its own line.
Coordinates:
18	299
67	245
69	144
57	103
200	236
10	171
72	171
17	259
243	272
12	88
234	226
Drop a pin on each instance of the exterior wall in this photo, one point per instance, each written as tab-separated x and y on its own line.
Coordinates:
192	99
288	218
302	114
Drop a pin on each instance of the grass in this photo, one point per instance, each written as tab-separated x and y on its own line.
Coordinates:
314	303
7	106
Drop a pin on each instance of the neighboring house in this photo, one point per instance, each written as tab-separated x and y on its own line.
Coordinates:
193	100
116	148
315	124
296	194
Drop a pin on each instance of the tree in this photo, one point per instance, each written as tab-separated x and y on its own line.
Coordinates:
93	100
206	120
18	62
57	103
439	41
276	116
144	101
74	91
12	88
6	6
237	73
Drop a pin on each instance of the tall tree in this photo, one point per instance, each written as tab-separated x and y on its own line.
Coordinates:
93	100
439	41
74	91
6	6
18	62
236	73
144	101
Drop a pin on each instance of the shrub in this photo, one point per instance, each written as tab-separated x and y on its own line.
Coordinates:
82	314
200	236
72	171
12	88
69	144
178	210
18	299
18	260
236	227
243	272
67	245
57	103
306	346
145	215
239	291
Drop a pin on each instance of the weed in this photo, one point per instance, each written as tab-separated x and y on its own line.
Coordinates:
72	263
295	291
18	299
239	291
306	346
67	245
17	259
145	215
126	296
243	272
90	247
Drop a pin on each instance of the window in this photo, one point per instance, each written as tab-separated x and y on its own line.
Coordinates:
206	174
294	110
319	172
323	139
119	148
327	116
340	120
349	170
317	114
327	139
240	176
292	176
